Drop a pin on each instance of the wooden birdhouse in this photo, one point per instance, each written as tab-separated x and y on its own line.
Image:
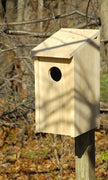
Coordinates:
67	82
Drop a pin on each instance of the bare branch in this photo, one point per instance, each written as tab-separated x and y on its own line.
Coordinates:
19	32
104	40
43	35
46	19
83	25
17	108
14	78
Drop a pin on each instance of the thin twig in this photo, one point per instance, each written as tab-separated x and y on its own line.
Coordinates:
25	58
10	124
15	47
55	150
87	11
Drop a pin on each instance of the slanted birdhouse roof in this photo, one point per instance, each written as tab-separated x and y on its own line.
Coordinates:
64	43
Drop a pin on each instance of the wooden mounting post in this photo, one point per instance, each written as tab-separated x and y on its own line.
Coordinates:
85	156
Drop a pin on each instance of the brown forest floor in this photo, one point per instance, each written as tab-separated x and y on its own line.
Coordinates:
23	155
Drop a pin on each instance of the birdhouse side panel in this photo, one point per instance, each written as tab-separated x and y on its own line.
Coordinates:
36	73
87	87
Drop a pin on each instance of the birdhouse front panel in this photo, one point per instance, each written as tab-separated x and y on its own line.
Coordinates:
67	82
55	96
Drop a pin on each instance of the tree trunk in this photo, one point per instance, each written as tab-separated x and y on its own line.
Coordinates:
20	51
104	20
59	11
69	4
40	13
20	10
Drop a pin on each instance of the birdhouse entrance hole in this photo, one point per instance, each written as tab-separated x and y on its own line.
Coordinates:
55	73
